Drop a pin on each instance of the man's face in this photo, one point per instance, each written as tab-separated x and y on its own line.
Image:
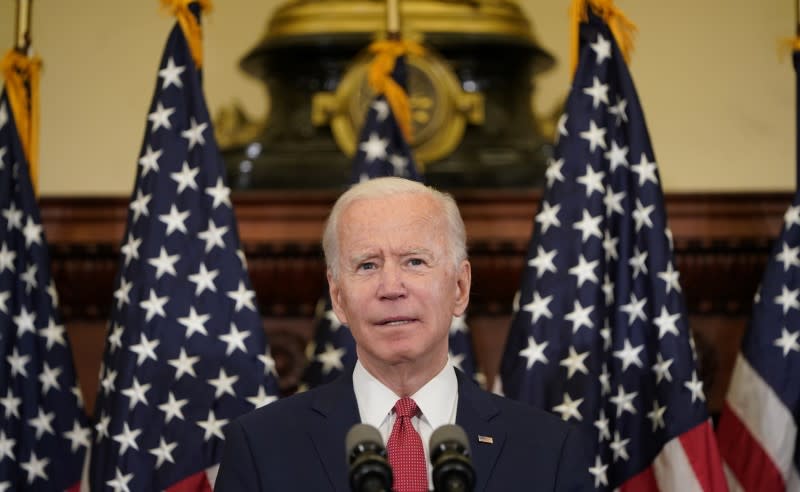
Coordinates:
398	287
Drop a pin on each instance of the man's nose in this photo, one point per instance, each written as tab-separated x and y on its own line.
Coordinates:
392	285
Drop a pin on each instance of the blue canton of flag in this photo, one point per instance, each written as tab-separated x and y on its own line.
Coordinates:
382	151
44	432
599	335
186	352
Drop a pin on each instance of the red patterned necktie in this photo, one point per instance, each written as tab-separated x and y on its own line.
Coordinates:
406	455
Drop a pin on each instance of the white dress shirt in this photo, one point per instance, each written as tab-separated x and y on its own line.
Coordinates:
437	401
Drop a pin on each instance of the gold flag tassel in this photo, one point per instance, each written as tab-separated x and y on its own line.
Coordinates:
621	27
788	46
22	86
191	28
381	80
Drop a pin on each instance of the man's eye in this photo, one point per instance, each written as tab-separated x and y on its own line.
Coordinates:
366	266
416	262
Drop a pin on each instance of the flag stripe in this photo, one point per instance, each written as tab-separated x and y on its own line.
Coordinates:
733	484
193	483
700	446
645	481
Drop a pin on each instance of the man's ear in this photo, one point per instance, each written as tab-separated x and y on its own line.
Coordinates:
335	292
463	283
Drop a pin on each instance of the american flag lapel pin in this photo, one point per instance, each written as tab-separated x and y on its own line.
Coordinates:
485	439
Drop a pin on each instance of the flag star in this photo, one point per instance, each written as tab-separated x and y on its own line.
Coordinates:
35	467
102	427
696	387
666	323
598	471
163	452
195	134
553	172
399	163
543	261
52	292
562	126
791	217
108	381
122	294
139	206
458	324
618	110
223	383
145	349
234	340
638	262
269	364
29	278
127	438
220	193
6	446
78	436
10	404
624	401
261	398
646	171
130	250
593	181
534	352
13	217
363	177
381	108
598	91
4	295
602	426
589	226
617	156
671	277
3	151
641	215
243	297
331	358
574	362
788	299
657	416
115	338
619	447
661	368
43	423
154	305
120	482
25	321
160	118
629	355
548	216
538	307
579	316
213	235
456	360
584	270
212	426
568	408
610	245
374	147
173	408
3	115
334	321
136	393
194	323
171	74
515	301
164	263
174	220
18	362
32	232
242	258
7	258
49	378
595	135
787	341
204	279
605	382
789	256
601	48
186	178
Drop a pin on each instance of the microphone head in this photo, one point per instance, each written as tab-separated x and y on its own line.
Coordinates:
450	457
366	455
446	437
359	438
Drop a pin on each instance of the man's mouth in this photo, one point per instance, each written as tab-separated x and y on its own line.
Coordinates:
396	321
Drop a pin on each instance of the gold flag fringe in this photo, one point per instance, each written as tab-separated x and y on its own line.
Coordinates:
621	27
191	28
22	86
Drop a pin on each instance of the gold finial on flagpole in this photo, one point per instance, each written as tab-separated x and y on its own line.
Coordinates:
393	19
22	41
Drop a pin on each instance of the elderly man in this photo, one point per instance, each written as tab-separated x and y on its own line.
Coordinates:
398	272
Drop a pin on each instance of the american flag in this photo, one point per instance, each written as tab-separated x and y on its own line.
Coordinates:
44	432
382	151
600	333
185	352
757	431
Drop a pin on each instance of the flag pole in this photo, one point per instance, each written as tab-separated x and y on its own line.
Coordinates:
22	40
797	97
393	19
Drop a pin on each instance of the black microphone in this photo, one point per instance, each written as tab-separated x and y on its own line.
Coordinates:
450	457
366	455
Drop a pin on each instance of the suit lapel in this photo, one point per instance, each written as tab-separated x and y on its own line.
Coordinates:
476	414
336	411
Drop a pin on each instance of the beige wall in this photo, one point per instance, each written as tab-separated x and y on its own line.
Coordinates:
720	103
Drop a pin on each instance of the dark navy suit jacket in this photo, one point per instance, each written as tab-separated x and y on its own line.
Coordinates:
297	444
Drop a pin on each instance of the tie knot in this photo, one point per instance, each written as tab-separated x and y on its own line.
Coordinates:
405	407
